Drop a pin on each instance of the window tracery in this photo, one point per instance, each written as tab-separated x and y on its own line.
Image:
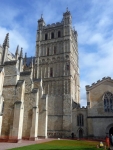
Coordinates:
108	102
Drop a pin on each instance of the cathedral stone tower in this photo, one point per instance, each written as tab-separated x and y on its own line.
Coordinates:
57	66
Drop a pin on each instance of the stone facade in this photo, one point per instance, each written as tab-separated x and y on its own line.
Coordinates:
96	120
40	96
57	54
40	90
96	111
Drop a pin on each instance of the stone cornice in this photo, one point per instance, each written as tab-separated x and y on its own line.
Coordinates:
100	117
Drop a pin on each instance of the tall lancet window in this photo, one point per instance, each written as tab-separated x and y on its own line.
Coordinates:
48	51
51	72
80	120
46	36
52	35
59	34
54	49
108	102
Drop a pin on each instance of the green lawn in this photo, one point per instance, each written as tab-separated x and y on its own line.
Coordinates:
62	144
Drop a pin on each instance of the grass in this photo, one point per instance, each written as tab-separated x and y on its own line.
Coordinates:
62	144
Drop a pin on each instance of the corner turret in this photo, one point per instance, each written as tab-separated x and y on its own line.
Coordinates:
67	22
21	53
5	48
67	19
6	41
21	60
17	52
41	23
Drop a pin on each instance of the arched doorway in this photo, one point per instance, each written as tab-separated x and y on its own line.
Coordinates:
111	135
111	131
80	133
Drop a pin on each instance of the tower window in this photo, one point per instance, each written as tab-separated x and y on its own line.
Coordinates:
54	49
48	51
52	35
59	34
80	120
108	102
46	36
51	72
67	67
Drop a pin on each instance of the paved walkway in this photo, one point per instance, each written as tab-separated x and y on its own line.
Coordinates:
6	146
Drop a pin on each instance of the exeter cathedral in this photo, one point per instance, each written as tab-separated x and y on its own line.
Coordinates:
40	95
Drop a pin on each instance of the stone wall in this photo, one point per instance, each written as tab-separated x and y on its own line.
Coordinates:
8	111
98	119
43	117
75	127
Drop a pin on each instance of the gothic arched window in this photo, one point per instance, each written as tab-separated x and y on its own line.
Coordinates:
108	102
48	51
54	49
46	36
51	72
80	120
59	34
52	35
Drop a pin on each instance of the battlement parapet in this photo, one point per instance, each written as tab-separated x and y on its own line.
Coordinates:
99	81
53	25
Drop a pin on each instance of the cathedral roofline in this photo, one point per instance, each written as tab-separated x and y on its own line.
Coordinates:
80	108
53	25
88	87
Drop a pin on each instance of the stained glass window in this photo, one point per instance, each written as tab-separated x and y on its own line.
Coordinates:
108	102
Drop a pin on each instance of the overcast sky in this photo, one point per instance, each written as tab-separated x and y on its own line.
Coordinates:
93	20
